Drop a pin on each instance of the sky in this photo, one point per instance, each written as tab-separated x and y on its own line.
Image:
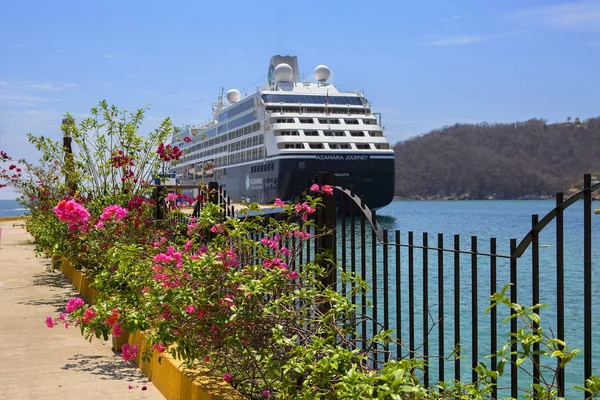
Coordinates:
422	64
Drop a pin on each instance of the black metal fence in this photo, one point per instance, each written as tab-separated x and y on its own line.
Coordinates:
433	290
422	288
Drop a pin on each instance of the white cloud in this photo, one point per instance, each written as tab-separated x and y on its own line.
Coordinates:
53	86
456	40
460	40
28	93
575	16
19	99
456	18
16	124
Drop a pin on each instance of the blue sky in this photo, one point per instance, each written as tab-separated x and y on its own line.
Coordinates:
422	64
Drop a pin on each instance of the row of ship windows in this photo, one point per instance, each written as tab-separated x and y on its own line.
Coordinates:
319	110
231	147
236	110
263	168
330	133
349	121
223	138
334	146
242	156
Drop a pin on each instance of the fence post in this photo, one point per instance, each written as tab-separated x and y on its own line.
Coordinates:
68	124
213	195
158	196
325	220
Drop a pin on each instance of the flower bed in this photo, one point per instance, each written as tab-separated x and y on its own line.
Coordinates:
173	382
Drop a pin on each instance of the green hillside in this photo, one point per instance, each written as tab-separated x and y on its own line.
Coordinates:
502	161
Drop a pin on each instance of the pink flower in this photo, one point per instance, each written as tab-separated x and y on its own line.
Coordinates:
128	352
99	224
206	359
308	208
217	228
228	300
298	207
62	317
115	211
314	188
188	245
112	319
227	377
88	314
171	197
49	322
168	153
327	189
266	393
74	213
302	235
279	202
144	388
117	330
73	304
187	139
160	348
190	309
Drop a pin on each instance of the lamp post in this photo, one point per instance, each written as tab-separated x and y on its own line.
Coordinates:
67	125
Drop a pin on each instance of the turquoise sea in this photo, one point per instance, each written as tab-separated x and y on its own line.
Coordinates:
11	208
502	219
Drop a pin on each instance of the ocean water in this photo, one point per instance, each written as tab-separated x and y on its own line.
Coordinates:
11	208
503	220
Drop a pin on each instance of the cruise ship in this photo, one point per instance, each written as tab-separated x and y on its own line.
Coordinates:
270	143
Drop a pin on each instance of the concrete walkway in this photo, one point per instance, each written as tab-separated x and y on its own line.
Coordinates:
37	362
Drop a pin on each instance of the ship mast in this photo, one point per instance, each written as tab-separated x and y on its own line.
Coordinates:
218	106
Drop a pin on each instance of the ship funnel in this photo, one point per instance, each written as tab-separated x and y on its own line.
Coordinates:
283	73
291	61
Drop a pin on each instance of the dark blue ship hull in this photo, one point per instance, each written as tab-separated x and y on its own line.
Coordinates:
369	176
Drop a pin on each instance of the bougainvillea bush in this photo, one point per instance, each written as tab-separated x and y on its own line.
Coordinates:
231	302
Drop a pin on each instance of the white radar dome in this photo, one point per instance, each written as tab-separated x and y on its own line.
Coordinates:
322	73
283	73
233	95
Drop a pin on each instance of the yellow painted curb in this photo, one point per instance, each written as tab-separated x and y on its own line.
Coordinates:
77	279
8	219
173	382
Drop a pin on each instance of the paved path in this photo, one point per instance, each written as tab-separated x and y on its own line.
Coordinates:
37	362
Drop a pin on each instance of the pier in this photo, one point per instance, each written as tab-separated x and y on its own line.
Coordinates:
37	362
